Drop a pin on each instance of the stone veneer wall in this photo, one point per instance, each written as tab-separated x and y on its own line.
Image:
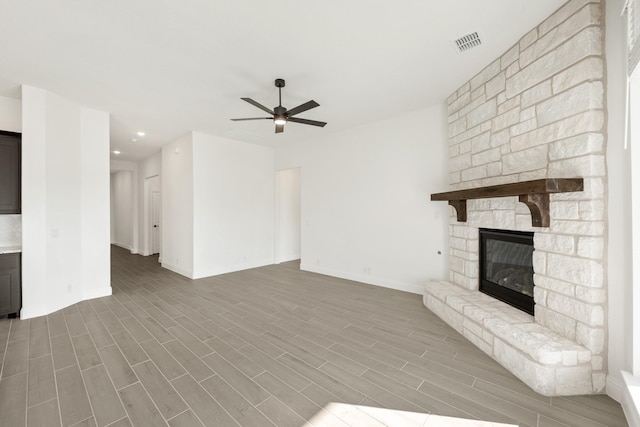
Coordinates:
538	112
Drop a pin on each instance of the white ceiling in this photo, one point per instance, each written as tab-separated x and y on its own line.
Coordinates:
169	67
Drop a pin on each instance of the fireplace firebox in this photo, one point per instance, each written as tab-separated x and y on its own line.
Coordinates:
506	267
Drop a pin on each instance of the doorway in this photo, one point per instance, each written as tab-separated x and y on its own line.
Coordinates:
152	216
288	211
123	213
155	222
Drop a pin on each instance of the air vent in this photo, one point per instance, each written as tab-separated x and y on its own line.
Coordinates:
467	42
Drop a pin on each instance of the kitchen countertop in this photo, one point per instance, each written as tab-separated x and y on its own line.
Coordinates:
10	249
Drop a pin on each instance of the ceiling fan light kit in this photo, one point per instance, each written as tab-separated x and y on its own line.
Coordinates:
280	115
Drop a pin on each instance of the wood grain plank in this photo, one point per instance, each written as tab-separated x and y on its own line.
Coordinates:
107	407
74	402
142	412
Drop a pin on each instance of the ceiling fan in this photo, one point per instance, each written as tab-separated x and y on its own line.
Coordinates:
281	115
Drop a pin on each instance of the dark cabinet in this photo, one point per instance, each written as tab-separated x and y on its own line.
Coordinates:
10	154
10	286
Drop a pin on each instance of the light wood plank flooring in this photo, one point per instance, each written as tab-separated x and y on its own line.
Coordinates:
267	346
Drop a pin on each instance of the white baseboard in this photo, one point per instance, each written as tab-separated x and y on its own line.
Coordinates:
120	245
179	270
367	279
97	293
55	305
144	253
631	398
52	305
231	268
287	258
615	388
130	248
31	312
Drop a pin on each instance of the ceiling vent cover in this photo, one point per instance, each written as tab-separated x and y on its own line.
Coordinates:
467	42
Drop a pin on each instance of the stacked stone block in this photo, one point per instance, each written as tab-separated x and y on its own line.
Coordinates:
538	112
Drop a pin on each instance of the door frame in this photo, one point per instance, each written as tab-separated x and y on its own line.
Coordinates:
153	223
281	219
149	187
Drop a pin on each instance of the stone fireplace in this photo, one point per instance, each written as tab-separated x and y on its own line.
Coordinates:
536	112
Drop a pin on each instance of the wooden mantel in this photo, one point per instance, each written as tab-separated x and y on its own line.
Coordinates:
534	194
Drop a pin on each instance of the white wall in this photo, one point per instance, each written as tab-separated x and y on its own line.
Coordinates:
619	265
65	203
366	213
95	263
10	114
178	206
151	166
288	215
35	233
633	336
631	391
233	205
122	204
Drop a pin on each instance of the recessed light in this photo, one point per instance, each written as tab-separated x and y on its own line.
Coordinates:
116	152
140	133
134	140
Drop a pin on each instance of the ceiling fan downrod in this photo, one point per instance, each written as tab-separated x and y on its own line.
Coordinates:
280	84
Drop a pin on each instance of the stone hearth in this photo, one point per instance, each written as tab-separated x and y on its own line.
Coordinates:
536	112
549	363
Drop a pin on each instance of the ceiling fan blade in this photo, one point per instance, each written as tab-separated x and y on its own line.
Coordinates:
306	122
304	107
279	128
253	118
257	104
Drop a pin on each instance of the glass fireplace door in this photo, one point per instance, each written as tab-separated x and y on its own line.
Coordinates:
506	267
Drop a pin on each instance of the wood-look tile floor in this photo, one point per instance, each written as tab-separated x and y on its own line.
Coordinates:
262	347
